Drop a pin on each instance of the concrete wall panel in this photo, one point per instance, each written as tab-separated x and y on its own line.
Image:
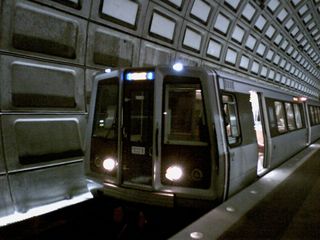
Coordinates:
107	47
152	54
89	77
35	141
43	186
26	28
38	86
6	204
2	161
77	7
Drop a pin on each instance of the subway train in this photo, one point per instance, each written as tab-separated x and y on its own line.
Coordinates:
189	136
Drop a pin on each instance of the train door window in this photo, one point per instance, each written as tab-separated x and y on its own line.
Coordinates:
297	115
280	115
231	118
290	116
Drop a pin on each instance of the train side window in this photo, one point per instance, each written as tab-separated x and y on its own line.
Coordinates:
231	118
297	115
317	113
290	116
280	115
272	117
311	113
314	115
184	121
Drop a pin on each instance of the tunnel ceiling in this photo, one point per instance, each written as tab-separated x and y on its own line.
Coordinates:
276	41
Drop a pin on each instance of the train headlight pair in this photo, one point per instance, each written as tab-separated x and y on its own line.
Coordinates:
109	164
174	173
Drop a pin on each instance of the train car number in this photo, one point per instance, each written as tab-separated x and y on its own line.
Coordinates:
138	150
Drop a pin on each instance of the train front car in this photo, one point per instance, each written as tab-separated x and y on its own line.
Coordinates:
152	136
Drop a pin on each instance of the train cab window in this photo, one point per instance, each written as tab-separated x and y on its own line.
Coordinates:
184	115
280	115
290	116
297	115
106	110
231	118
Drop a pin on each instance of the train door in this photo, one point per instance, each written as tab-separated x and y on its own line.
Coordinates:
255	99
137	117
241	140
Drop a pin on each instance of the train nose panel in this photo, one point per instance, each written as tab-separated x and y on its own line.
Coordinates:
137	165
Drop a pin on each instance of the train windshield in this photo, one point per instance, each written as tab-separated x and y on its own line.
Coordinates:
105	129
106	110
184	121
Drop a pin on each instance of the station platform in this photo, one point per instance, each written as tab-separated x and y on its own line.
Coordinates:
283	204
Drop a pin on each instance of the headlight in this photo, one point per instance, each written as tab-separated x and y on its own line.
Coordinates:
174	173
109	164
178	67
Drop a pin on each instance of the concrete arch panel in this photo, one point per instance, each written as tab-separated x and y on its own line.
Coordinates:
35	30
37	141
30	85
110	48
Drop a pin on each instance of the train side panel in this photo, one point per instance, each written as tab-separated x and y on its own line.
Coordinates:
286	145
280	120
240	132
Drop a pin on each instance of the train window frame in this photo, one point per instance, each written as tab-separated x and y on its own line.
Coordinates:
291	121
311	115
317	113
272	117
181	84
298	115
282	123
237	138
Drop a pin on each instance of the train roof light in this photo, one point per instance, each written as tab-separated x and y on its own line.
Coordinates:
107	70
174	173
177	67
